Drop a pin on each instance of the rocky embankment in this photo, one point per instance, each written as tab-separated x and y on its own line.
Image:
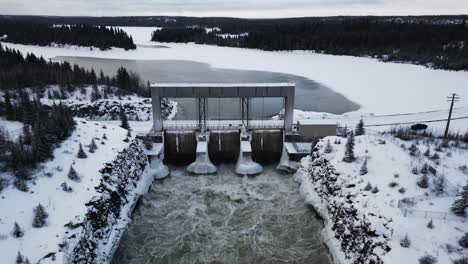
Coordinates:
108	213
349	235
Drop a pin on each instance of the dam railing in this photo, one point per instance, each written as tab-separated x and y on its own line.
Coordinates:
191	125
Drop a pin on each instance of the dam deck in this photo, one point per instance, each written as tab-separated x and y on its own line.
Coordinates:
219	125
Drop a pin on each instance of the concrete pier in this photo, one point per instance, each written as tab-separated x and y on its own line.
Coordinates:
245	165
202	163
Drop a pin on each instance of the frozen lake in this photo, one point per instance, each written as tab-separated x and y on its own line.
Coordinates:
223	218
310	95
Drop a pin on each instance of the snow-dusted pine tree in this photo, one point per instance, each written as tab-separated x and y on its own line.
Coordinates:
464	240
328	147
405	242
424	169
360	128
123	119
423	182
413	150
349	149
363	170
17	231
19	258
81	154
427	153
460	205
40	216
73	175
92	146
104	136
368	187
430	225
439	184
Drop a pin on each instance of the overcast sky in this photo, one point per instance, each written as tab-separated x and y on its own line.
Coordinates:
236	8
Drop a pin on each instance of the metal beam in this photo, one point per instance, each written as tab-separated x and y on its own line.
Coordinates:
201	114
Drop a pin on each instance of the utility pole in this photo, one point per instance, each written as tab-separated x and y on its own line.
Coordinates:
453	98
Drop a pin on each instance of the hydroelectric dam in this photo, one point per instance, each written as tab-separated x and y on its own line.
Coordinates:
200	144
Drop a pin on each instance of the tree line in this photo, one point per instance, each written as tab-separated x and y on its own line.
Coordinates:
29	33
18	71
44	127
443	46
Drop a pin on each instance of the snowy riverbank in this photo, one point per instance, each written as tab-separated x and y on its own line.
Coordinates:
366	213
65	206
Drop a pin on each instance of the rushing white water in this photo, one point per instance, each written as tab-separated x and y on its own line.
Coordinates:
223	218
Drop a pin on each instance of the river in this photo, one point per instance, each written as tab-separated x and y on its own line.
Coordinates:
223	218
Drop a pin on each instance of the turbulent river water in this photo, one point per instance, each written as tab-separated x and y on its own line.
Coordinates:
223	218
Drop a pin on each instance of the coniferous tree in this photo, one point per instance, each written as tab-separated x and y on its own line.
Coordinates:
413	150
17	231
464	240
19	258
40	216
360	128
81	154
123	119
65	187
405	242
92	146
460	205
328	148
73	175
368	187
424	169
427	153
430	225
9	111
349	149
104	136
423	182
363	170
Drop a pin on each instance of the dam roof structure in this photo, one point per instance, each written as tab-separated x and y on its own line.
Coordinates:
244	91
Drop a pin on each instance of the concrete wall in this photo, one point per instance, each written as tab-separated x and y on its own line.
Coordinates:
179	148
270	150
223	147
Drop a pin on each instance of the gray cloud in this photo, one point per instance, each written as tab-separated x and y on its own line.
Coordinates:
239	8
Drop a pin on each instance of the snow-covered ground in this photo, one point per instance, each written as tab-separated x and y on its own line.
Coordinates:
46	189
435	119
380	88
387	163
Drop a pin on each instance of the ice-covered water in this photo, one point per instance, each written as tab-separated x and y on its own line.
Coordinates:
223	218
310	95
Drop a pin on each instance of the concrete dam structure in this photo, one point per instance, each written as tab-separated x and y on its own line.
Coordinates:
201	144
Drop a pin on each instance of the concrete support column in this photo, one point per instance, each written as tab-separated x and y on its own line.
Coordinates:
157	116
201	114
288	112
245	111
